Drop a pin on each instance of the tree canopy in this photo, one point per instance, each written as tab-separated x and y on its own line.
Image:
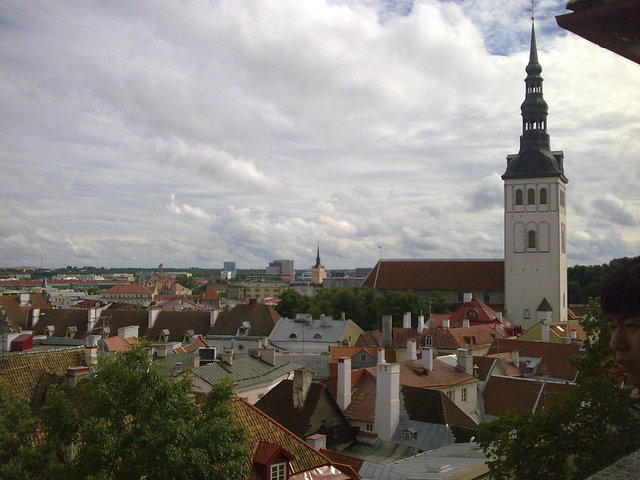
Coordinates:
581	432
127	421
365	306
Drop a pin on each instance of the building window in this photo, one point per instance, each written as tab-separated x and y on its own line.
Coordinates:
363	357
317	335
463	395
472	314
450	394
293	335
278	471
519	200
429	340
531	196
369	427
531	239
562	198
526	313
543	196
563	235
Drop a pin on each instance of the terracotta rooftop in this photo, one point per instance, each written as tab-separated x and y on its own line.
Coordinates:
211	294
464	337
503	394
21	370
129	289
462	275
260	426
555	356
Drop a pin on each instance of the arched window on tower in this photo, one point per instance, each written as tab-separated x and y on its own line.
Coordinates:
543	196
531	196
519	196
531	239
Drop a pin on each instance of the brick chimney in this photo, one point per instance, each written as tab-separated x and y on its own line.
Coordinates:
73	376
387	413
344	382
467	297
301	385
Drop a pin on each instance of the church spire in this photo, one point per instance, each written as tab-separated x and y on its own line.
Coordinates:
535	158
318	258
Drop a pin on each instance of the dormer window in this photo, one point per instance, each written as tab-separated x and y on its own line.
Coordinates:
49	331
164	335
317	335
187	336
293	335
472	314
71	332
409	434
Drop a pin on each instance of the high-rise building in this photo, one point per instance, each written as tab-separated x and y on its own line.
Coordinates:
229	269
535	214
280	268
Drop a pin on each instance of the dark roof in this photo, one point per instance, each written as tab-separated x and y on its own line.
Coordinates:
555	356
261	317
503	394
128	289
462	275
116	319
611	24
319	414
15	314
432	406
62	319
178	323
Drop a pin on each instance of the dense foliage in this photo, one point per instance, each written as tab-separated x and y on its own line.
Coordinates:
585	281
580	433
128	421
365	306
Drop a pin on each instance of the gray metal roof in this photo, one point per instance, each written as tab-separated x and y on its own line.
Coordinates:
441	463
245	371
290	330
427	435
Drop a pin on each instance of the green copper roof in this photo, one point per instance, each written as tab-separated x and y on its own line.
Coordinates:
535	158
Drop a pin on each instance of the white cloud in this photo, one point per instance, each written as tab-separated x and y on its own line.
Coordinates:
281	125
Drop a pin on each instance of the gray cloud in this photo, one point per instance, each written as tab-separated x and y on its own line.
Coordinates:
196	132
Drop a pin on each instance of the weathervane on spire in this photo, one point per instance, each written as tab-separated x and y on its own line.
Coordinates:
532	10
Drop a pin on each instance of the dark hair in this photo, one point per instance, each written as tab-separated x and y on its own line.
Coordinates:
621	292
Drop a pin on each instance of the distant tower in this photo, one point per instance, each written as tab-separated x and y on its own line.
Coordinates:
535	253
317	271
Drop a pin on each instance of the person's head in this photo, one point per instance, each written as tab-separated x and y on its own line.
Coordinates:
620	302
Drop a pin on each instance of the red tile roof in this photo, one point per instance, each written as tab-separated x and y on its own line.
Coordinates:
211	294
462	275
555	356
465	337
503	394
485	314
128	288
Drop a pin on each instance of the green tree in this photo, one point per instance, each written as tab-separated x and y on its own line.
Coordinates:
129	421
582	432
292	302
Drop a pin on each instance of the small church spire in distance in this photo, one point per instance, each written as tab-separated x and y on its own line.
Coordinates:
318	257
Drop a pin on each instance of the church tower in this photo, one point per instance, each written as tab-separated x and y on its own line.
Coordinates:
535	252
317	271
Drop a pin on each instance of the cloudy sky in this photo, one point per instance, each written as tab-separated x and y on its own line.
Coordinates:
198	131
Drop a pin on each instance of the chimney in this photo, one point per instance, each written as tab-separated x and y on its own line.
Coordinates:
573	334
343	316
227	356
161	351
427	358
387	413
267	355
326	320
467	297
544	332
406	320
317	441
74	375
93	315
344	382
213	317
465	323
195	360
91	355
386	331
381	355
153	313
445	323
128	332
499	316
420	324
412	354
301	385
35	317
515	357
25	299
465	360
